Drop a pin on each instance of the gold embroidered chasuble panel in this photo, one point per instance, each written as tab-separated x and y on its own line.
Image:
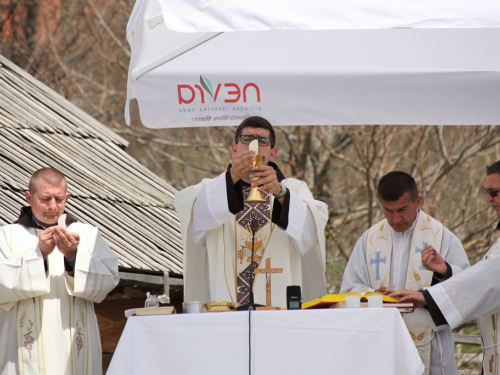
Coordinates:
243	241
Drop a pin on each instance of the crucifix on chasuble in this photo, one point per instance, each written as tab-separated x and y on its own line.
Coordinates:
268	271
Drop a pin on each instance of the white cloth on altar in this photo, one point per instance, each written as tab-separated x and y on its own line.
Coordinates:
319	342
470	294
23	276
208	232
356	278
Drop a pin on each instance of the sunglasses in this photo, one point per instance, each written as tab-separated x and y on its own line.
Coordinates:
492	192
247	138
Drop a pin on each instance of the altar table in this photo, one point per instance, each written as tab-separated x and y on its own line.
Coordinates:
326	341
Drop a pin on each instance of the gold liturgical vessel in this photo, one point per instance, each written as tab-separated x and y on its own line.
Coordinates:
255	196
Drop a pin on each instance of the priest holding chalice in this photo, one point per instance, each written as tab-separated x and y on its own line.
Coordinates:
251	224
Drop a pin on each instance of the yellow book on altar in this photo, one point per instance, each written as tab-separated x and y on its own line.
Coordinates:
329	299
150	311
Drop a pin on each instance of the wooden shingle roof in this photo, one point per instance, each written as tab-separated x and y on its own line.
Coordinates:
131	206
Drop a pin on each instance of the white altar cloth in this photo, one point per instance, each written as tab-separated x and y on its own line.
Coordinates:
327	341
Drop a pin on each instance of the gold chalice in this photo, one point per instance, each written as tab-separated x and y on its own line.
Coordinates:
255	196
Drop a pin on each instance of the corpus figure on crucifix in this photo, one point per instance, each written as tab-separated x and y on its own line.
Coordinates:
268	271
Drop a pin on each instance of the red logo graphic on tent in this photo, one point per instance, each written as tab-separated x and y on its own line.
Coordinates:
232	92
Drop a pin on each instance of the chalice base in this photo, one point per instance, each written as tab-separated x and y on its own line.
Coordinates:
255	196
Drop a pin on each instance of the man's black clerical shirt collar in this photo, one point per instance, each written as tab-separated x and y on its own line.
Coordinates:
235	198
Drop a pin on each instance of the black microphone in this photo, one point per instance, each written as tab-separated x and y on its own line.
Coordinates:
254	227
293	297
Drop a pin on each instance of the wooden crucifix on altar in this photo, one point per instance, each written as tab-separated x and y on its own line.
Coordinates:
268	271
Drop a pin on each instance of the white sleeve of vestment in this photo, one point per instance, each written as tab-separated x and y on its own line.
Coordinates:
96	267
21	276
211	208
446	305
356	277
301	222
195	254
307	220
472	293
454	253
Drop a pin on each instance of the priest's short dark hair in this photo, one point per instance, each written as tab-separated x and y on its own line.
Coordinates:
48	174
493	168
256	122
395	184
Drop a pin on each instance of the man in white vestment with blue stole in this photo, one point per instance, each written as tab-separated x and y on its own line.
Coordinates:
396	253
472	294
217	237
52	270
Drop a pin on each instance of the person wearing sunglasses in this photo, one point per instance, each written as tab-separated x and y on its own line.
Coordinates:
217	235
473	293
394	253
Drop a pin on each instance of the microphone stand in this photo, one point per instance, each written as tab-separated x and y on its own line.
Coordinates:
254	226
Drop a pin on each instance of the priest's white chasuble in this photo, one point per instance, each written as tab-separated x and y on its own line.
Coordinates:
490	333
475	294
217	258
47	320
384	257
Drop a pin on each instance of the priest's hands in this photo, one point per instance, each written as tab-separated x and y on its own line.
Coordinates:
433	261
383	291
46	242
417	298
67	243
267	179
241	165
241	168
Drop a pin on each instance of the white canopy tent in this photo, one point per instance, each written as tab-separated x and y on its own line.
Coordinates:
318	62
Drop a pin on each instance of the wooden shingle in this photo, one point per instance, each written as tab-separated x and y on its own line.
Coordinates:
131	206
